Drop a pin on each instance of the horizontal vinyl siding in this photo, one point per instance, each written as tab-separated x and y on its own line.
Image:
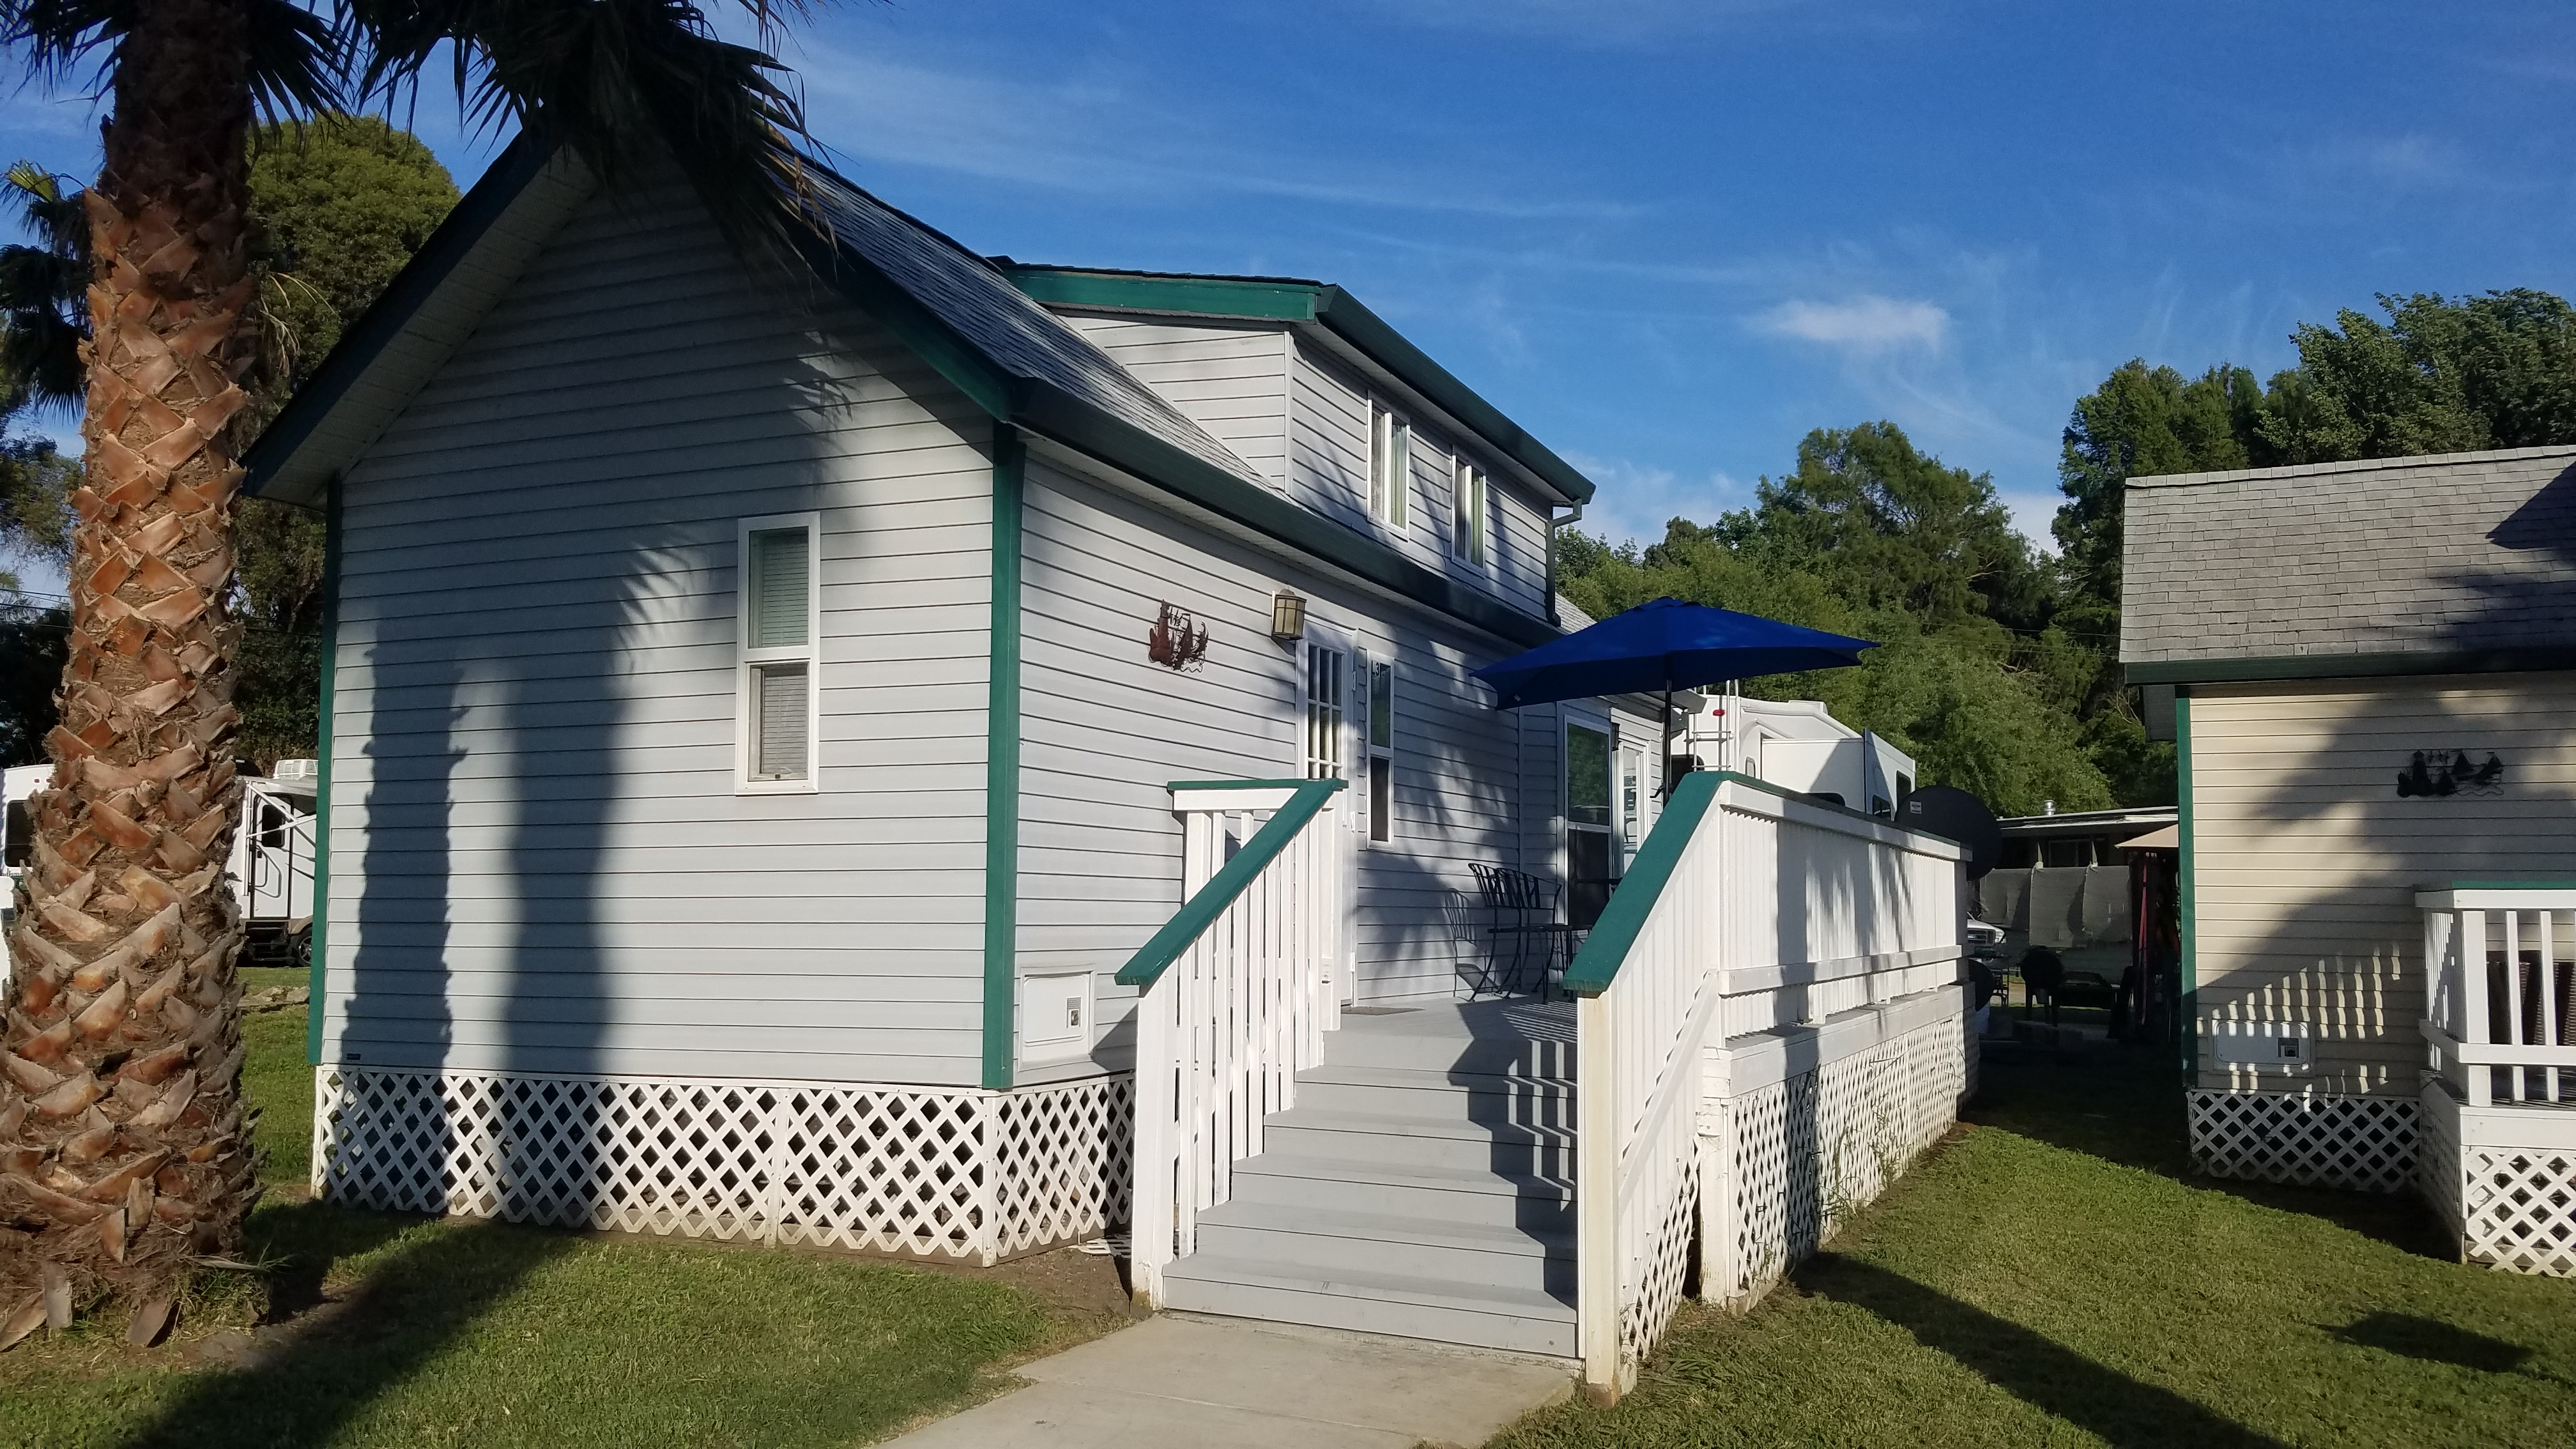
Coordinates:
2306	861
1232	381
1329	473
1106	731
536	839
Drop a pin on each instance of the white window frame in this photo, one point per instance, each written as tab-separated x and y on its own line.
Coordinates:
1470	502
747	658
1390	477
1352	735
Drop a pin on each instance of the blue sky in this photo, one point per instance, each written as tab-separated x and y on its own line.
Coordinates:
1671	238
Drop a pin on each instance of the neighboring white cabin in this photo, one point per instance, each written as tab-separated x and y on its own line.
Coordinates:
607	800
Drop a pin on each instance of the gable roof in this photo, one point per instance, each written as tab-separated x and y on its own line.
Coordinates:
1324	314
2458	563
1020	363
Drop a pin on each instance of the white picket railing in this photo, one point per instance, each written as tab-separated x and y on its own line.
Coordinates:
1236	993
1745	910
2503	963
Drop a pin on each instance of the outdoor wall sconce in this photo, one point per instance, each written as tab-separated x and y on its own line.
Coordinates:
1177	642
1287	617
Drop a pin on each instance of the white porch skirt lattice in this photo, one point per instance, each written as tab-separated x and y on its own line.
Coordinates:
933	1171
2504	1180
1805	1151
2311	1139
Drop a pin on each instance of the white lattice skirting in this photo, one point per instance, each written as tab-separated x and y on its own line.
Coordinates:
2313	1139
2504	1179
937	1172
1807	1151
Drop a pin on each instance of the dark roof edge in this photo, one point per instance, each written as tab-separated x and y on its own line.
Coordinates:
448	246
2258	670
2357	465
1272	299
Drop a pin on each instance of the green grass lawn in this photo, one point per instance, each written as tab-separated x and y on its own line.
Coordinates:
2053	1276
401	1331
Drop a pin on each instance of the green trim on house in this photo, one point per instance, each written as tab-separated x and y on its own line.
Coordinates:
1299	302
2263	669
318	974
1002	766
1200	911
2187	993
1605	950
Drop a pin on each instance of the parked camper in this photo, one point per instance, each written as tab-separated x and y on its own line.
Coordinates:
271	868
1797	745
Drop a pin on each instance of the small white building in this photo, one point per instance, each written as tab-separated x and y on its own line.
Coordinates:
922	757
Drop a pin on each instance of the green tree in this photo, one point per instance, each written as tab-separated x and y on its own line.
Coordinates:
2140	422
136	1087
2439	376
1869	537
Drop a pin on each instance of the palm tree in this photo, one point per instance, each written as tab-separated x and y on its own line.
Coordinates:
123	1153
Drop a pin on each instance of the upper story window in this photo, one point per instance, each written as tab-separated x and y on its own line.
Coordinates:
778	714
1467	514
1390	465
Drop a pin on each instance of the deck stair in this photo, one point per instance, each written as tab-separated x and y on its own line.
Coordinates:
1422	1185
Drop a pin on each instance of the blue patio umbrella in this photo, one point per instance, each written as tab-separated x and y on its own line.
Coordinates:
1663	646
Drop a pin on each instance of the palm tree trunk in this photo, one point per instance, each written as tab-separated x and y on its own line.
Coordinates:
122	1150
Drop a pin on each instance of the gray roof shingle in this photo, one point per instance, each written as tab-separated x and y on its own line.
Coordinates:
2461	553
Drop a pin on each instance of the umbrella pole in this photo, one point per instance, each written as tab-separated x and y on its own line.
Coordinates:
1664	765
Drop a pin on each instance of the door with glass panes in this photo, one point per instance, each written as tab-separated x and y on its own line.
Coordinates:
1341	739
1591	824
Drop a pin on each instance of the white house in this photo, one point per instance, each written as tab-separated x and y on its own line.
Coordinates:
768	715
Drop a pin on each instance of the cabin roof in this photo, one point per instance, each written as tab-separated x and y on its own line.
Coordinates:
2463	562
1326	314
992	340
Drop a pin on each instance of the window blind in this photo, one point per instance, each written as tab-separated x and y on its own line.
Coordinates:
781	568
778	741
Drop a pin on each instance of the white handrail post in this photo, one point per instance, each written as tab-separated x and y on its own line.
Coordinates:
2470	937
1596	1202
1150	1200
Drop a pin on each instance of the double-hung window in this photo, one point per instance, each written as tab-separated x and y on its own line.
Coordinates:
1390	465
1467	514
781	625
1324	707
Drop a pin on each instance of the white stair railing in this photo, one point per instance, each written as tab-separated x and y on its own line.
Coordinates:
2502	958
1745	909
1235	993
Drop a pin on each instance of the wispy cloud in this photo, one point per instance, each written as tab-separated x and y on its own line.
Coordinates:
1636	500
1863	324
1623	23
1108	134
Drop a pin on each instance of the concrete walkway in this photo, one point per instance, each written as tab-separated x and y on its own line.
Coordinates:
1194	1382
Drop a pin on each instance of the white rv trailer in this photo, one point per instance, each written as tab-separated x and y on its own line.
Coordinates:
270	870
1797	745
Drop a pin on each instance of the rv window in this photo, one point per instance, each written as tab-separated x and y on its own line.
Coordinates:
21	835
2066	852
781	617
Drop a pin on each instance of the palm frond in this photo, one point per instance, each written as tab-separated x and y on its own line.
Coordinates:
43	291
626	85
296	64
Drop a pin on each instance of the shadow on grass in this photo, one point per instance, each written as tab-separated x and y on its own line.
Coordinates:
2120	1410
2433	1341
305	1387
2124	1104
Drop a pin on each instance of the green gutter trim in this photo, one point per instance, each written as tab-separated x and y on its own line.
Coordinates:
1605	950
2187	1003
383	321
1200	911
1002	766
1270	300
318	974
2261	669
